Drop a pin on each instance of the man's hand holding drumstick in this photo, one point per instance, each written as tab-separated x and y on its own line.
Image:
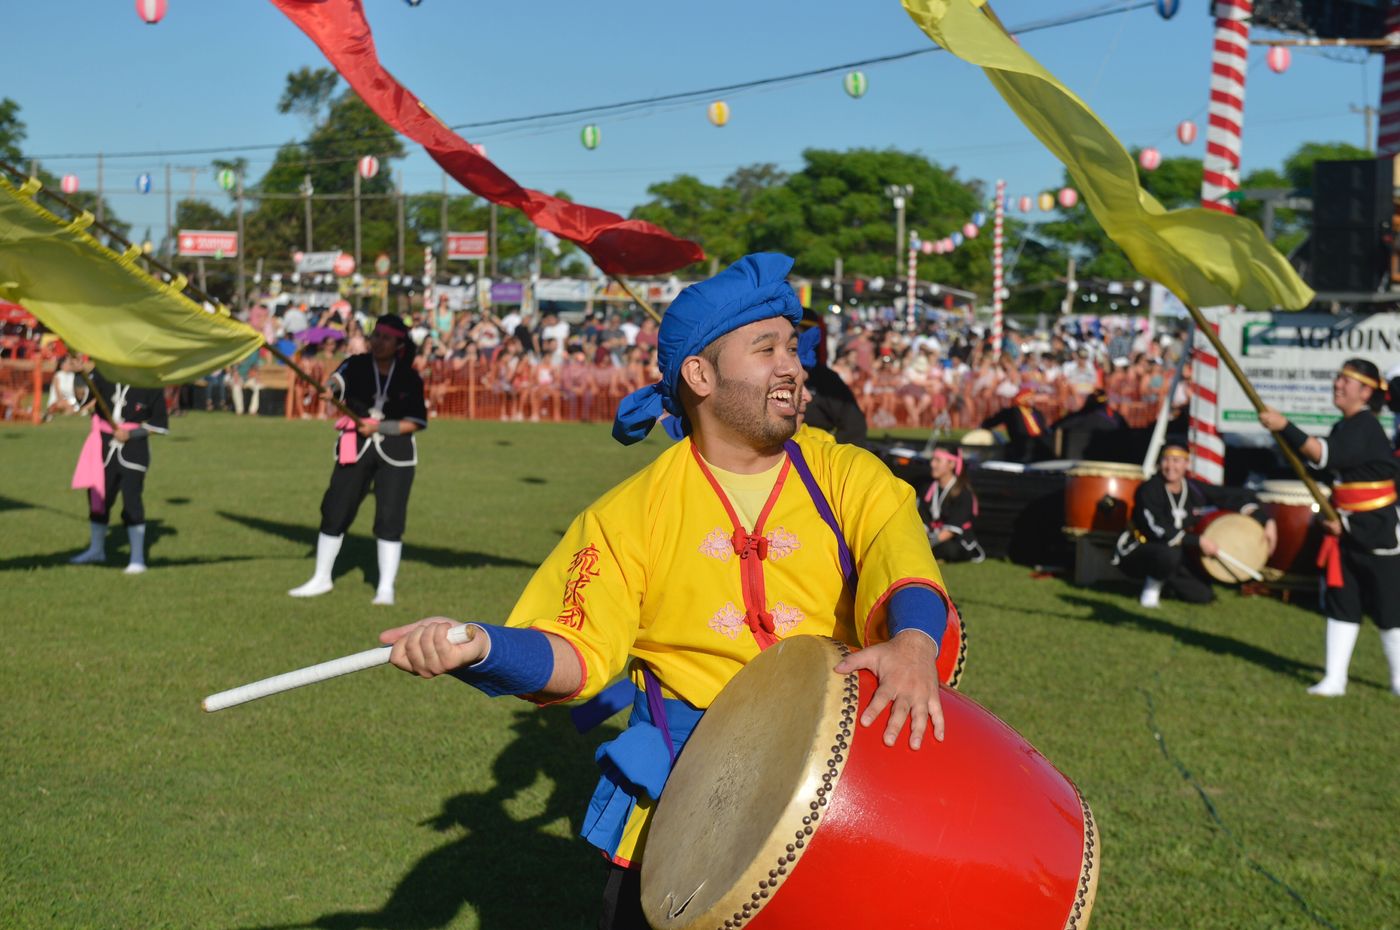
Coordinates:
423	649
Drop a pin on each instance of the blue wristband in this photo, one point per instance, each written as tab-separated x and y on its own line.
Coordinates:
913	607
520	662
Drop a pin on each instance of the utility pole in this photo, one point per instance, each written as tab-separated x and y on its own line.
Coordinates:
442	243
306	191
399	200
899	193
242	276
1071	285
495	266
837	290
357	215
1368	113
101	213
169	217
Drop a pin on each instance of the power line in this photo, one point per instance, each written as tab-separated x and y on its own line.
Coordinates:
1099	12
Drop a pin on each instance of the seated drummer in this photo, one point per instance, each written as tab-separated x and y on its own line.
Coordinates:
1077	429
1028	440
730	540
1165	509
949	508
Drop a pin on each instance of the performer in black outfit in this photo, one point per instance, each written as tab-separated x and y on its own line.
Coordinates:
382	387
124	455
949	508
1361	554
1078	428
1025	427
833	407
1165	509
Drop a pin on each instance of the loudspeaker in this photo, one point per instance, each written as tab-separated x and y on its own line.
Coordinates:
1352	224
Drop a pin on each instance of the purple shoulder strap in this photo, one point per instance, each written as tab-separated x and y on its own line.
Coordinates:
848	565
656	706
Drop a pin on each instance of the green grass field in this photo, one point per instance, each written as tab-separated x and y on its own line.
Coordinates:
1226	797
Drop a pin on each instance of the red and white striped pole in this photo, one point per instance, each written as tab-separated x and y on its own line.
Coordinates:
910	294
998	240
1228	66
1388	138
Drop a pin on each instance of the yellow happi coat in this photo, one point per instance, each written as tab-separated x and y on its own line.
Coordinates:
649	572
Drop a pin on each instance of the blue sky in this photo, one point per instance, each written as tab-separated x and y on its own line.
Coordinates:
90	76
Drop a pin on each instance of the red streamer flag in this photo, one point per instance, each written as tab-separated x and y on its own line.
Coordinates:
618	246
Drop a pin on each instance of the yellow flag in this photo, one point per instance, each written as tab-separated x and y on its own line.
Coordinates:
1205	257
139	330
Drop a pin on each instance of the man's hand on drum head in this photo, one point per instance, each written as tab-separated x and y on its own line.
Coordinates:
422	648
905	667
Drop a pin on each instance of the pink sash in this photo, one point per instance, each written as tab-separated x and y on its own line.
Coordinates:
348	452
88	473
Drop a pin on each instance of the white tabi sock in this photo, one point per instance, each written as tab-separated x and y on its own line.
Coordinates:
97	546
1390	642
327	548
1151	593
136	537
1341	640
389	555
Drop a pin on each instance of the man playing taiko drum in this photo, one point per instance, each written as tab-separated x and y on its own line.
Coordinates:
733	538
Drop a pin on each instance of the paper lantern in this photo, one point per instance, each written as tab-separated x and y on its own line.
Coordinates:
1167	8
926	248
1149	158
1279	59
69	184
1026	204
719	112
979	218
957	239
368	167
1046	202
855	83
227	179
1186	132
143	183
590	137
970	230
151	11
1068	197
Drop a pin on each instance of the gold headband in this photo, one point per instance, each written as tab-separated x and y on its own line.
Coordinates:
1175	452
1365	379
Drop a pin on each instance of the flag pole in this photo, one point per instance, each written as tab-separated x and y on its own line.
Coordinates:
640	301
1202	324
121	240
101	402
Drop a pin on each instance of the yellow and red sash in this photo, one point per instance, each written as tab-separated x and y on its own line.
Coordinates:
1352	497
1028	415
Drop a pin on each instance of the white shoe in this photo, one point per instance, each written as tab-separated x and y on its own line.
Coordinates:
383	599
88	557
135	568
97	546
313	588
1326	688
1151	593
389	555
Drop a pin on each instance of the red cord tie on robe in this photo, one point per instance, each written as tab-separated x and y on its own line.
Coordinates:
1329	556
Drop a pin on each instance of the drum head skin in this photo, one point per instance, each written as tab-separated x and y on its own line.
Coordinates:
1242	538
978	438
784	814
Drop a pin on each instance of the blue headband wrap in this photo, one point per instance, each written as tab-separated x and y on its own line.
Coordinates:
752	289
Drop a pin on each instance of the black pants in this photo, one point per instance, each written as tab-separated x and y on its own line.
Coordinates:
1370	585
622	900
130	483
957	550
351	483
1183	576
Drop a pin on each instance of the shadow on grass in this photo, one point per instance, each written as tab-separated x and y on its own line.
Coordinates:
360	551
495	858
118	552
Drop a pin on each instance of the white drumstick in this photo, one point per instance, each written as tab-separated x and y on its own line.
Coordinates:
460	633
1222	554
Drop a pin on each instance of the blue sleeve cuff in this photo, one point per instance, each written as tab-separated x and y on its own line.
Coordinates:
520	662
913	607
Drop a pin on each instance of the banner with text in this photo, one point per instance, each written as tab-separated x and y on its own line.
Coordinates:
1291	359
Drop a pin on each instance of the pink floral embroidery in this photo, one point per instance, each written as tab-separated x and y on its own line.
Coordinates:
718	545
728	622
785	617
781	544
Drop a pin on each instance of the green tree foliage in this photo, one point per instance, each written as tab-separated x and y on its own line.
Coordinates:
12	131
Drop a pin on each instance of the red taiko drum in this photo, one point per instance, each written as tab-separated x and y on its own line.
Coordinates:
1299	535
1099	497
783	813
